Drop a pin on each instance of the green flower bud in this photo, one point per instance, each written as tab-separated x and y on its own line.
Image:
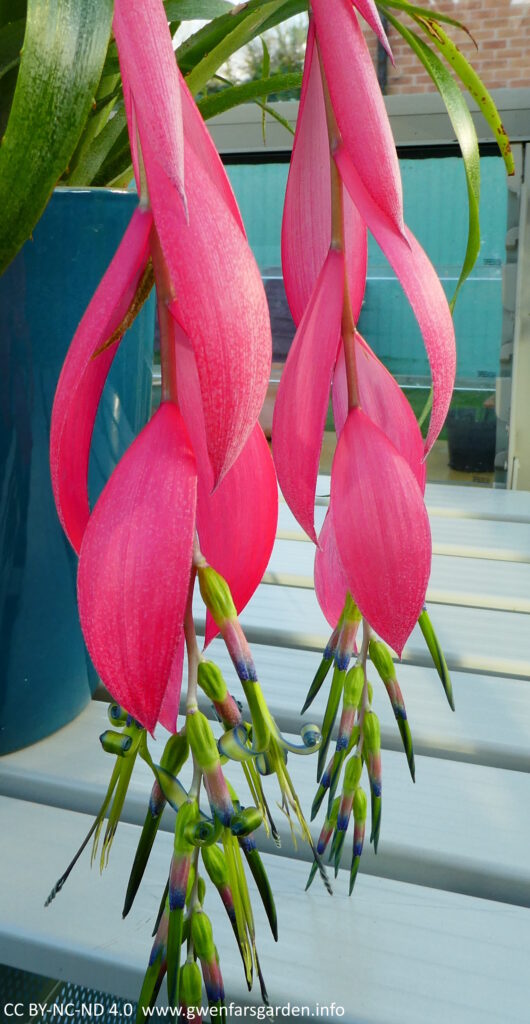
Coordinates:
175	753
353	686
202	740
191	984
246	821
359	805
211	681
382	660
216	595
201	890
215	863
202	936
350	611
370	693
371	733
352	773
115	742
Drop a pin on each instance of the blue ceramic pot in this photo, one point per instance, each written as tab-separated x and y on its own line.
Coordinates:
46	678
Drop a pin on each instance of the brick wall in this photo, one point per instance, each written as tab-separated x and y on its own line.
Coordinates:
501	29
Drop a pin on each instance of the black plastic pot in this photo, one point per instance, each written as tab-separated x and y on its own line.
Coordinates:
471	439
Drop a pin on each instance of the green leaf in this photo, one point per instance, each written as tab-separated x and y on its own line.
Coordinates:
248	91
94	154
265	73
11	39
244	31
464	130
201	43
189	10
64	50
473	84
412	9
268	109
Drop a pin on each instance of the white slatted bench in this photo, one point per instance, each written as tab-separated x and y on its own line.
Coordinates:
439	924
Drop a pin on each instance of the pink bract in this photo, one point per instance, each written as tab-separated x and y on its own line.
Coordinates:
303	395
220	304
384	402
422	287
359	106
135	562
382	529
83	377
151	78
306	225
331	585
237	523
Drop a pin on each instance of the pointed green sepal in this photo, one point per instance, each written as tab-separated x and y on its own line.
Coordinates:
329	717
437	656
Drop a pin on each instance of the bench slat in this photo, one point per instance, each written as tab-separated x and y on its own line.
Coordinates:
459	828
477	640
474	583
466	538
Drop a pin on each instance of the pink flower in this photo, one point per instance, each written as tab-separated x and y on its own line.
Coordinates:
136	546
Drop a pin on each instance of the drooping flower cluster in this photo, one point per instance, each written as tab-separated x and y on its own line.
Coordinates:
374	550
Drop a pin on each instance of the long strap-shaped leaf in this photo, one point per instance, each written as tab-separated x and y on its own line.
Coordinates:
64	50
472	82
230	32
464	130
218	102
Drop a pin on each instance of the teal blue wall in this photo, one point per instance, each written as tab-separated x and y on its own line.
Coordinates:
436	211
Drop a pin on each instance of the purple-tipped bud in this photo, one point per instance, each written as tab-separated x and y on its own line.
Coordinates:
213	980
178	880
160	942
343	818
351	618
346	724
157	800
328	827
218	795
239	651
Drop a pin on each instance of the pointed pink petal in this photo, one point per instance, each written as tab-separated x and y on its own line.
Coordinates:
422	287
359	106
384	402
382	529
82	378
330	579
199	138
303	395
369	12
237	523
149	69
306	226
220	304
134	566
169	709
